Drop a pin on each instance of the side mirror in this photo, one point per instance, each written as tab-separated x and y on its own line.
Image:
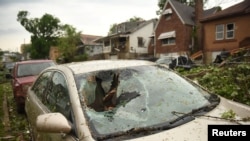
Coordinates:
53	123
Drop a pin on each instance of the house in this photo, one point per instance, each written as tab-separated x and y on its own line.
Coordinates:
228	29
87	45
93	49
128	40
178	31
54	53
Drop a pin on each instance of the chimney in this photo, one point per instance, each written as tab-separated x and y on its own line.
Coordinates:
198	10
198	15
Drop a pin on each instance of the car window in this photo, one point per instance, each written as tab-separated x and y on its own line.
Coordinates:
57	99
166	60
32	69
40	85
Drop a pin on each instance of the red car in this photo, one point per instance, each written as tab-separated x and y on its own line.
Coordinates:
23	75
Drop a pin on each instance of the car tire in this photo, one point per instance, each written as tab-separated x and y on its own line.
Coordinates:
20	108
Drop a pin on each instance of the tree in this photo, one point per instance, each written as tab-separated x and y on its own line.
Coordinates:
1	54
45	33
112	29
135	19
69	42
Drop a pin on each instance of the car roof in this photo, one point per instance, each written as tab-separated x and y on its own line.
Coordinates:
96	65
34	61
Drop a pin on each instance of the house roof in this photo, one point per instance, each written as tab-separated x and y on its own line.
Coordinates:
186	13
89	39
235	10
142	25
128	30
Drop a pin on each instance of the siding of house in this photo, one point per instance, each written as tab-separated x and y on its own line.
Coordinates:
213	47
54	53
183	35
145	33
124	45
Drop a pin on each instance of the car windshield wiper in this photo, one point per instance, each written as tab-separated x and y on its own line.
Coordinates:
196	112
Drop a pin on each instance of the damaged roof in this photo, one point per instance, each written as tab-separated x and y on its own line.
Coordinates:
128	29
235	10
89	39
186	13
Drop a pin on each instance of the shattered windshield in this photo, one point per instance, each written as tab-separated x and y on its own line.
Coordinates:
136	97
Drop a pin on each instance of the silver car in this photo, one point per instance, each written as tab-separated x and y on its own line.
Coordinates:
124	100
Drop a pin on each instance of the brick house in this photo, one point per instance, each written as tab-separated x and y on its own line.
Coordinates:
228	29
177	28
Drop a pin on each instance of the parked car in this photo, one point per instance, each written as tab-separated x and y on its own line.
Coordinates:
9	66
176	61
23	75
123	100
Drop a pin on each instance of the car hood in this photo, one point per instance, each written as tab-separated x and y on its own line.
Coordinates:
25	80
197	130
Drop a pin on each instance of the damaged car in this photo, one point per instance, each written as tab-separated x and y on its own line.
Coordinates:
174	62
124	100
23	75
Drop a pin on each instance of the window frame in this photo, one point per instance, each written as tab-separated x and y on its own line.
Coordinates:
58	79
218	31
41	87
228	31
107	43
140	42
168	41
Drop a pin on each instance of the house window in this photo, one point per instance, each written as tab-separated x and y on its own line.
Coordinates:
167	13
167	17
140	42
107	43
230	31
167	38
168	41
220	32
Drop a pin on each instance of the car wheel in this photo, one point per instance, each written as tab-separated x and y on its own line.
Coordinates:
20	108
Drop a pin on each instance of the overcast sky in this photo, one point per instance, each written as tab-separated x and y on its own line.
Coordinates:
92	17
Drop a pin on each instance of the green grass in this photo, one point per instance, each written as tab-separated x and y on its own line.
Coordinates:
18	129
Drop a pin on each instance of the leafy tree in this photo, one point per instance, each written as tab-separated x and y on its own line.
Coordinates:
45	33
1	54
112	28
69	42
135	19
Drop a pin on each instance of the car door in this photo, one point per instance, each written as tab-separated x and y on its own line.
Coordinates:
49	94
34	99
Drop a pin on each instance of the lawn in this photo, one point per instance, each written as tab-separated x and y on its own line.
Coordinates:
14	126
